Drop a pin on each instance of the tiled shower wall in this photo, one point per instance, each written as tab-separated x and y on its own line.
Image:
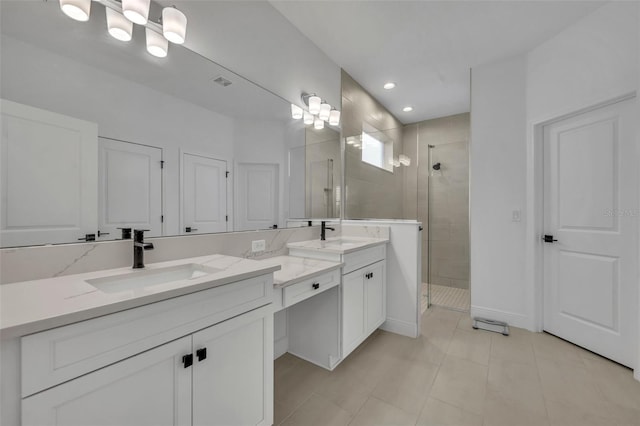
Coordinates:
442	202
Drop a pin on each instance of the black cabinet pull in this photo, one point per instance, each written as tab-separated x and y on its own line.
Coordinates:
189	229
315	286
201	354
549	239
88	237
187	360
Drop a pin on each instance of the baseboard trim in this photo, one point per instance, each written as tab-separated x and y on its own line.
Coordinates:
280	347
403	328
511	318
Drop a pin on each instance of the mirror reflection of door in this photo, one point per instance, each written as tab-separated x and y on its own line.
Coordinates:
257	196
48	176
129	188
203	195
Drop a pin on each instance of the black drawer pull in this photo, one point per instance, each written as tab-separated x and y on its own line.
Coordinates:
201	354
315	286
187	360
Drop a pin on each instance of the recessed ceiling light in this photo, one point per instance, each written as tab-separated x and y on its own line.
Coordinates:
390	85
407	109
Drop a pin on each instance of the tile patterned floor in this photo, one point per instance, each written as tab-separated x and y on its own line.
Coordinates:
454	375
450	297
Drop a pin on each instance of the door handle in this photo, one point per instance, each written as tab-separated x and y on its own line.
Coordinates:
548	239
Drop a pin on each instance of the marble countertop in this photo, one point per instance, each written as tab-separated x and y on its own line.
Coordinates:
339	245
296	269
32	306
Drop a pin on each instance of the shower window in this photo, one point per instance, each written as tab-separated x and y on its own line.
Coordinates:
378	153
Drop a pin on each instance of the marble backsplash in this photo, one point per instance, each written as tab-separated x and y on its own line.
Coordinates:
32	263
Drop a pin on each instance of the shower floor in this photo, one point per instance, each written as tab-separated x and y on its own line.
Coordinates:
447	297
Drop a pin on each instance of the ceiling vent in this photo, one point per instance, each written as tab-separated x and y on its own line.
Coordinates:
222	81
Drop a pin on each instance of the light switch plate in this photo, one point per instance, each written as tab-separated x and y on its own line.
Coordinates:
515	215
258	245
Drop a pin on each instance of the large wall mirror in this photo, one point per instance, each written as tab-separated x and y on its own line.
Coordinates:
99	135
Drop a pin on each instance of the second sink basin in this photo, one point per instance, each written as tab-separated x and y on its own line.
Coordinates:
150	277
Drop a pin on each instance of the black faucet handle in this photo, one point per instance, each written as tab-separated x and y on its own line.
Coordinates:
138	234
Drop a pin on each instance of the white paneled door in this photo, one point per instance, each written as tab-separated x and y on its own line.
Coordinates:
591	209
203	194
257	195
48	176
129	187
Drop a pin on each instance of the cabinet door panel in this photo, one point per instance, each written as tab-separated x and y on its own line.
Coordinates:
233	385
375	297
152	388
352	311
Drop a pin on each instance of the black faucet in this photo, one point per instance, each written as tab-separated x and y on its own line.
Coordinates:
139	246
323	230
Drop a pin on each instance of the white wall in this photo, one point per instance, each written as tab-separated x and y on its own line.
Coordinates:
39	78
497	161
594	60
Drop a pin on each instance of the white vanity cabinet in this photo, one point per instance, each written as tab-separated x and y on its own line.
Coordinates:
363	301
214	364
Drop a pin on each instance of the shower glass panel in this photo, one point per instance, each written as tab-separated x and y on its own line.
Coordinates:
447	214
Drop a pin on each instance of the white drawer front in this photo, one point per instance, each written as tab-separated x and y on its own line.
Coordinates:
55	356
310	287
361	258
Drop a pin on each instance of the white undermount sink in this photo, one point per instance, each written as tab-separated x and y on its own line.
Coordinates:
150	277
341	242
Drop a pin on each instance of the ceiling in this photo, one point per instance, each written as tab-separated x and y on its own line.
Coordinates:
426	47
182	74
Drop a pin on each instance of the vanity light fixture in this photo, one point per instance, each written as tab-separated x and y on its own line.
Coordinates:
76	9
404	160
318	123
325	110
390	85
334	117
296	112
407	109
351	140
157	45
307	118
314	104
174	25
118	26
396	162
137	11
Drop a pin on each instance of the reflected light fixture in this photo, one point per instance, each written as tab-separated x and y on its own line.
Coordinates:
307	118
314	104
404	160
351	140
318	123
407	109
390	85
76	9
174	25
334	117
296	112
118	26
325	110
137	11
157	45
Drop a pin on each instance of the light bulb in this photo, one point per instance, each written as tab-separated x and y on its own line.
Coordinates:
174	25
118	26
407	109
404	160
157	45
314	104
390	85
296	112
334	117
307	118
325	110
318	123
137	11
76	9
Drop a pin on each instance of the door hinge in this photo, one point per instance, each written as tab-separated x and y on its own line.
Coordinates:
162	164
187	360
226	174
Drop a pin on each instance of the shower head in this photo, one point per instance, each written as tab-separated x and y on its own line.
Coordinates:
436	166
